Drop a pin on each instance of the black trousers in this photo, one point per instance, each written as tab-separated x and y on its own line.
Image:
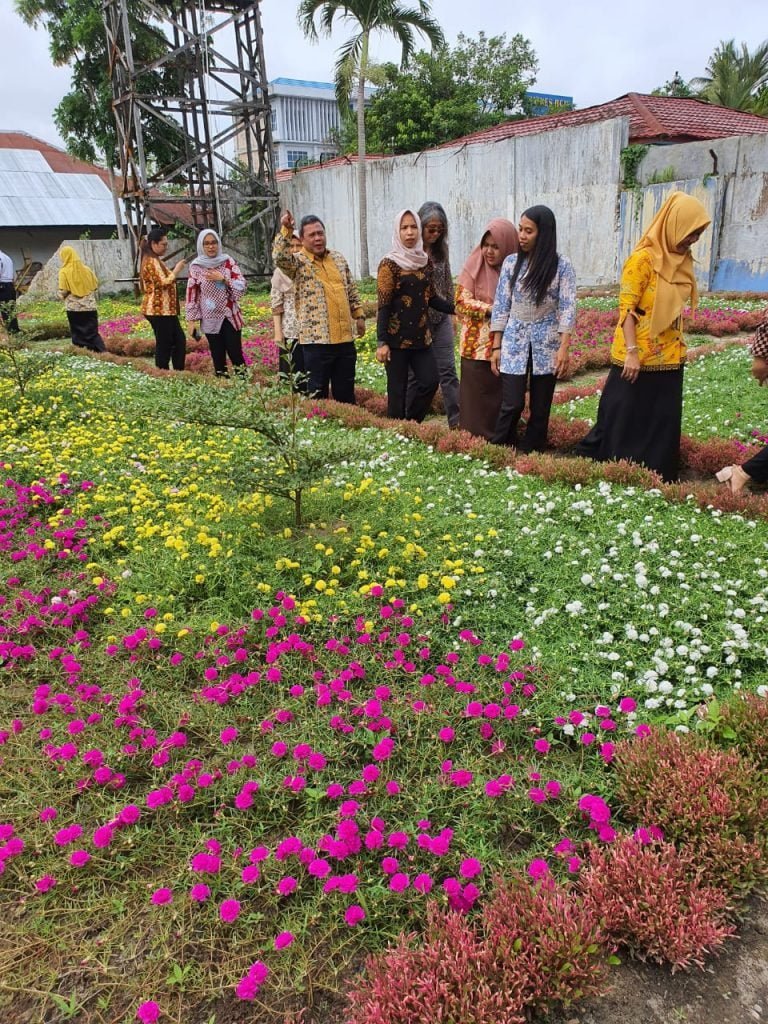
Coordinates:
331	367
84	327
411	403
757	466
291	363
8	312
170	342
227	342
513	388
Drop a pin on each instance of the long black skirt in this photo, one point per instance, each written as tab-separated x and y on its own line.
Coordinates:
640	422
84	326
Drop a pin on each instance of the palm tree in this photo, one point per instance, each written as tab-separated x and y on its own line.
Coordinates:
353	63
734	77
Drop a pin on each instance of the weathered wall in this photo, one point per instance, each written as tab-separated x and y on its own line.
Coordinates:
574	171
639	207
109	259
740	260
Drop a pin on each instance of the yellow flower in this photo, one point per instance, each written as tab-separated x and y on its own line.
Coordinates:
423	581
443	598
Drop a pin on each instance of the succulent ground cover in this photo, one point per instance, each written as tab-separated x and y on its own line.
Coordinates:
238	757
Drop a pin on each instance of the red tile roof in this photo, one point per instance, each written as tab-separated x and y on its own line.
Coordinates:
651	119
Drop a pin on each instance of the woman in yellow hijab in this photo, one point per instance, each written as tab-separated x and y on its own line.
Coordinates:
641	408
77	287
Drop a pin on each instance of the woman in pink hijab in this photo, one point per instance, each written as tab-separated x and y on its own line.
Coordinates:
480	389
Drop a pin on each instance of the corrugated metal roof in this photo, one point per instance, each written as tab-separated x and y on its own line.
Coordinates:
33	195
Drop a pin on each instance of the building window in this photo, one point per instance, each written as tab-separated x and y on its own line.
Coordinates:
326	156
273	120
297	156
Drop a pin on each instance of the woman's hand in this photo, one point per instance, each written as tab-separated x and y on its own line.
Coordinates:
760	370
382	354
631	370
495	361
562	361
213	275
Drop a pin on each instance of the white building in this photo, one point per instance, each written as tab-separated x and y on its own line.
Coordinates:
305	121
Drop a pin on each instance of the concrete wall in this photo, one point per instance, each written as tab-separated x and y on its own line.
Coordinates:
639	207
109	259
575	171
740	261
39	244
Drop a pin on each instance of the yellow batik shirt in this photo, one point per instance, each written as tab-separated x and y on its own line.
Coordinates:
636	298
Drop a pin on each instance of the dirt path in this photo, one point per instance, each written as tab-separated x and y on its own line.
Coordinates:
732	989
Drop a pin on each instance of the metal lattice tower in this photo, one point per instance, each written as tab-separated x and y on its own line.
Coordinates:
199	184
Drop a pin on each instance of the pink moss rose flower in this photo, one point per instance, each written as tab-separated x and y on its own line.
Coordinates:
229	911
148	1012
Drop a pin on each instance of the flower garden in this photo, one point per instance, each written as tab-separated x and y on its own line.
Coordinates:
473	730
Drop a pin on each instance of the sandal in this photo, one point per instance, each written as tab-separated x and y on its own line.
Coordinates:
734	478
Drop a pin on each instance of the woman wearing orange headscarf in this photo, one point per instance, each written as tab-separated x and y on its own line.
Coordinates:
480	388
641	408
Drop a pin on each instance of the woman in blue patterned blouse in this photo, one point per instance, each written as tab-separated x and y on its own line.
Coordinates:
531	322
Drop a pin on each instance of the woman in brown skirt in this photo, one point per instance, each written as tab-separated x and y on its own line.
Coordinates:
480	389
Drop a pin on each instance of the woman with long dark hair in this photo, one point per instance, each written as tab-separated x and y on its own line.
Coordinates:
641	408
533	315
160	304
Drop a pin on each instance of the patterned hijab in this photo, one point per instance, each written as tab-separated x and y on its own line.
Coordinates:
74	276
680	216
209	262
476	276
405	258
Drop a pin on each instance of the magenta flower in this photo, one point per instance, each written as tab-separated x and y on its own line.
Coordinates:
148	1012
284	939
423	883
470	868
199	893
541	746
45	883
354	914
161	897
78	858
538	868
228	735
399	882
286	886
229	911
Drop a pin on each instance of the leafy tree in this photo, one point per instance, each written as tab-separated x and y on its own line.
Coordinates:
676	86
735	77
84	115
451	92
316	17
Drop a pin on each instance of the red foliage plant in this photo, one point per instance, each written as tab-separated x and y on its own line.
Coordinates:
713	802
533	947
746	720
653	902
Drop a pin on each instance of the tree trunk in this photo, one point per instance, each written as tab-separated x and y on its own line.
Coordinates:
362	190
115	200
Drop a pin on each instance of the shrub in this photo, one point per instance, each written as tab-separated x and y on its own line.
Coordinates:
652	901
532	948
746	719
714	802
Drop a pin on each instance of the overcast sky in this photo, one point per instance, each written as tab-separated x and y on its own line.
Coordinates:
584	49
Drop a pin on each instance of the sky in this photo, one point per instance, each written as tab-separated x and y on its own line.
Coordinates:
583	50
